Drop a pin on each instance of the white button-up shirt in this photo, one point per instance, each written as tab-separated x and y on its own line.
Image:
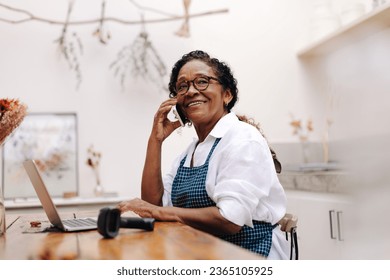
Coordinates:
241	178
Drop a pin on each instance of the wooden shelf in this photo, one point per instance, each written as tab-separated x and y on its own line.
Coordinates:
75	201
368	24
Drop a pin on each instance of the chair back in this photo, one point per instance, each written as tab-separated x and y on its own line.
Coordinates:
288	224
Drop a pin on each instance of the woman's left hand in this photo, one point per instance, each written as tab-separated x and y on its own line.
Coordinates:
208	219
140	207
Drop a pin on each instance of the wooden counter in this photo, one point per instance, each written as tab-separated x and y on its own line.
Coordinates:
172	241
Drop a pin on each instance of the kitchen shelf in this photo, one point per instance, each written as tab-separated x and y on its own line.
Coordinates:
370	23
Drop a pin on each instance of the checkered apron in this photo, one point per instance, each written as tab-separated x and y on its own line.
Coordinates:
189	191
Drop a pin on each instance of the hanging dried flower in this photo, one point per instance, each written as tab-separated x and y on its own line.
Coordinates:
103	35
12	113
140	59
70	46
184	30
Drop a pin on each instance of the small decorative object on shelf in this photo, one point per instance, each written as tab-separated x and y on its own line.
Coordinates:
330	106
323	21
93	161
325	140
377	3
12	113
351	11
303	133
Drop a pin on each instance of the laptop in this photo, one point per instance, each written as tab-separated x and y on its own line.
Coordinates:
77	224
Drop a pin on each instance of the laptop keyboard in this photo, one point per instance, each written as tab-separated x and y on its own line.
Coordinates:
79	222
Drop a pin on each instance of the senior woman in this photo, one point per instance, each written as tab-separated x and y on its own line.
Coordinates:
225	182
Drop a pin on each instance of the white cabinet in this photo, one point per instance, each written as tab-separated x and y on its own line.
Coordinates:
322	233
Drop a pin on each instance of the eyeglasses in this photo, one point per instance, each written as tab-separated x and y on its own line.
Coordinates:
200	84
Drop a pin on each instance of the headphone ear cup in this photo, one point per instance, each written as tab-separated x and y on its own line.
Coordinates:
108	222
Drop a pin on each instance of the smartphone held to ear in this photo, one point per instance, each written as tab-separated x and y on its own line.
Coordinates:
179	115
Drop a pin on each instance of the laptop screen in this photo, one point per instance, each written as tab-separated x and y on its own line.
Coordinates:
42	192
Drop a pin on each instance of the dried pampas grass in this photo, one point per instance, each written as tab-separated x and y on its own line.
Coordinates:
12	113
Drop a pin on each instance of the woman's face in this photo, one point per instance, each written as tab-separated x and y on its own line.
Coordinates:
206	106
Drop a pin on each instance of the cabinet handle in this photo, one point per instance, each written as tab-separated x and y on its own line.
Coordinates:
331	214
339	225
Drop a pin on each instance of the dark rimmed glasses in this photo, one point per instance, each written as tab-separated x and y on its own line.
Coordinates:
200	83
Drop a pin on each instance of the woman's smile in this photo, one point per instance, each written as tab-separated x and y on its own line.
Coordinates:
195	103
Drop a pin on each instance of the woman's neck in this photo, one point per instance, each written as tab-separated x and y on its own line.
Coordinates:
203	130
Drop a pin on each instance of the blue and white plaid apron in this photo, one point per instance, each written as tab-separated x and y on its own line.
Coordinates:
189	191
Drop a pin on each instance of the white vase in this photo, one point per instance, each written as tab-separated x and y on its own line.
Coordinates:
99	190
305	152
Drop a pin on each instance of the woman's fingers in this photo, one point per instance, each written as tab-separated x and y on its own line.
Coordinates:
165	108
163	126
138	206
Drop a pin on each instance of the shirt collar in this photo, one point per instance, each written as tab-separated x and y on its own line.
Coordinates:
223	125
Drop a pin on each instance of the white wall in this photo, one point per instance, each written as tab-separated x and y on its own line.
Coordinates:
256	38
259	39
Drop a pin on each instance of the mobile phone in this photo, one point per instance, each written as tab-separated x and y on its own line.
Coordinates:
177	111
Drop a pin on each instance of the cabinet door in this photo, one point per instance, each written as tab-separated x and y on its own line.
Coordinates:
321	220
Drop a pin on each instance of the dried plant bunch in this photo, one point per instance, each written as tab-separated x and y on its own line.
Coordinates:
12	113
300	130
93	160
140	59
71	47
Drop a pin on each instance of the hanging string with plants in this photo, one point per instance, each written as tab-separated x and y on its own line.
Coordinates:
138	59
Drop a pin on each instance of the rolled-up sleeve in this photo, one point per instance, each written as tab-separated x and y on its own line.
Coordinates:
244	178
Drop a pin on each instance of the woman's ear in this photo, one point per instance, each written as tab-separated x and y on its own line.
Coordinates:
227	97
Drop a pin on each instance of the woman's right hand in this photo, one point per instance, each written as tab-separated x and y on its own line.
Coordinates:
162	126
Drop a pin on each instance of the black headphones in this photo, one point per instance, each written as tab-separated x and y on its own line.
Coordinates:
109	222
